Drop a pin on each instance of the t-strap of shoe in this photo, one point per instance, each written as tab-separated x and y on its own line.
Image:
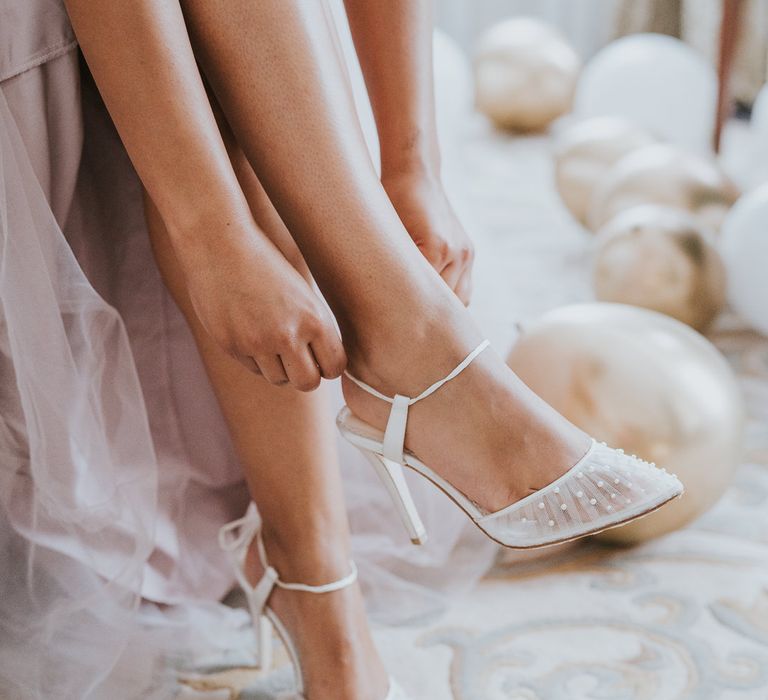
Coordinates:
394	434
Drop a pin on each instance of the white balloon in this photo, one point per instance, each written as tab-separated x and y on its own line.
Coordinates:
744	248
585	151
646	383
666	175
758	165
657	81
759	120
526	74
660	258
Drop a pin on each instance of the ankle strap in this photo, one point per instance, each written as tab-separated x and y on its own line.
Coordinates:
394	435
337	585
236	537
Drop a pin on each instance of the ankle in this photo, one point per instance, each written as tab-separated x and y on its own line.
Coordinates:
314	556
406	353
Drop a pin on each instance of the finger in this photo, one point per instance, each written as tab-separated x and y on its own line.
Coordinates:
329	354
302	371
248	362
451	273
271	367
463	287
436	256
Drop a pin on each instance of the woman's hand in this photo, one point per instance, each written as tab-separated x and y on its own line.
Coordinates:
426	213
262	312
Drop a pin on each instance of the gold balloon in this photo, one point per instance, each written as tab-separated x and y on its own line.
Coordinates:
647	383
525	74
663	174
661	259
585	151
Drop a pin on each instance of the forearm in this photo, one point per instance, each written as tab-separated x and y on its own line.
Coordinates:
141	59
393	41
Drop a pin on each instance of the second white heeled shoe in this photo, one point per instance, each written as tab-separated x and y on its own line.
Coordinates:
235	538
605	489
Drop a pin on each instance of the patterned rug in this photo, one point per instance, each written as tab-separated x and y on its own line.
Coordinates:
682	617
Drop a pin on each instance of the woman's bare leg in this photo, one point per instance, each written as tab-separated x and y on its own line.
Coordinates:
277	75
286	444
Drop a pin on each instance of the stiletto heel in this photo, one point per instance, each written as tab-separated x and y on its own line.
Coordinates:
604	489
263	650
392	476
235	538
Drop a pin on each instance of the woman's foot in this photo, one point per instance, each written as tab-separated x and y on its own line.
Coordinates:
485	432
329	631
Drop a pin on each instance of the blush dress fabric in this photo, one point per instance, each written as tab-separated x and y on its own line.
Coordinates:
116	468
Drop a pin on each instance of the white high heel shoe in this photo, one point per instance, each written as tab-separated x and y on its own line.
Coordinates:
235	538
606	488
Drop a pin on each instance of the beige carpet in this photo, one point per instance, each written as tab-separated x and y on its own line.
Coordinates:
684	617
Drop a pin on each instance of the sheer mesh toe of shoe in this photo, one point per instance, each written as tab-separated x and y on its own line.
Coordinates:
606	488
